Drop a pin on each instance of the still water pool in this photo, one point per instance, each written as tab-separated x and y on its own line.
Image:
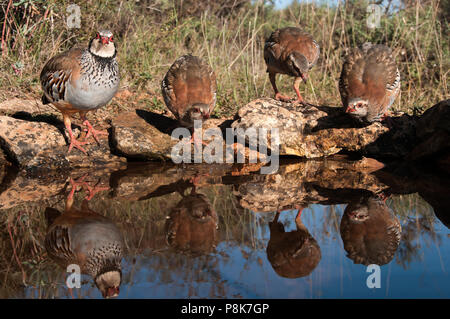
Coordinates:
309	231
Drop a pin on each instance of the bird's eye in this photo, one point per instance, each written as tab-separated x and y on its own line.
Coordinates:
358	105
111	39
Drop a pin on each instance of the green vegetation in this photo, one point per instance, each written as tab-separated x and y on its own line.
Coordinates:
229	35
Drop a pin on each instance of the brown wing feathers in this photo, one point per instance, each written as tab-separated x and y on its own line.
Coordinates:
188	81
372	74
57	72
283	42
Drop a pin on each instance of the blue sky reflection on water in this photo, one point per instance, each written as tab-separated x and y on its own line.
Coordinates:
419	268
247	273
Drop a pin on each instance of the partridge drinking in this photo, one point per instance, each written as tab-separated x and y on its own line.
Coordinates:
189	90
370	231
192	224
292	254
87	239
369	82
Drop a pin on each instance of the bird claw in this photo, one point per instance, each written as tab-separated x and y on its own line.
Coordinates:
283	98
80	182
91	131
77	144
299	102
94	190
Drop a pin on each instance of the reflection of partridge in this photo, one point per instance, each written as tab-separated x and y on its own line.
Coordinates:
89	240
189	90
369	83
293	52
78	81
293	254
192	224
370	232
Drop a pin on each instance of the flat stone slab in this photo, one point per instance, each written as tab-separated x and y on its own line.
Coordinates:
40	145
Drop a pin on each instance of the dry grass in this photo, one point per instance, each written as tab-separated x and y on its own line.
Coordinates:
152	34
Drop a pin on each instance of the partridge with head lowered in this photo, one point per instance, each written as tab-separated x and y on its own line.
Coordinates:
189	90
82	80
369	82
292	254
370	232
290	51
191	226
89	240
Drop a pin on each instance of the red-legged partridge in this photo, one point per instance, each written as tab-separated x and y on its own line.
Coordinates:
292	254
82	80
192	224
369	82
189	90
290	51
370	232
89	240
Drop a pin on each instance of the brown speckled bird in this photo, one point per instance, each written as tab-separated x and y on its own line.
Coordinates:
290	51
369	82
189	90
292	254
192	225
89	240
81	80
370	232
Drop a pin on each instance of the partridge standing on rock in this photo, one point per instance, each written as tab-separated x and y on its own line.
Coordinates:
189	90
82	80
290	51
369	83
89	240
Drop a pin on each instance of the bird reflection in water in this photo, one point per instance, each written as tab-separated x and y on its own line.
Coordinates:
191	226
370	232
87	239
292	254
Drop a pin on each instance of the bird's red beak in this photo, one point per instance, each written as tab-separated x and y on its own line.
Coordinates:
350	109
112	292
105	40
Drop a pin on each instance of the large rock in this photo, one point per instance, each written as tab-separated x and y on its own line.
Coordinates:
40	145
15	106
433	132
319	131
144	135
38	142
134	136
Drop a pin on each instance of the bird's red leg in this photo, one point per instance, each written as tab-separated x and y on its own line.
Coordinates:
278	95
75	185
90	128
297	91
73	141
299	213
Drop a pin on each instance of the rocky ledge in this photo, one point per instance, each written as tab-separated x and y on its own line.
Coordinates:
33	141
